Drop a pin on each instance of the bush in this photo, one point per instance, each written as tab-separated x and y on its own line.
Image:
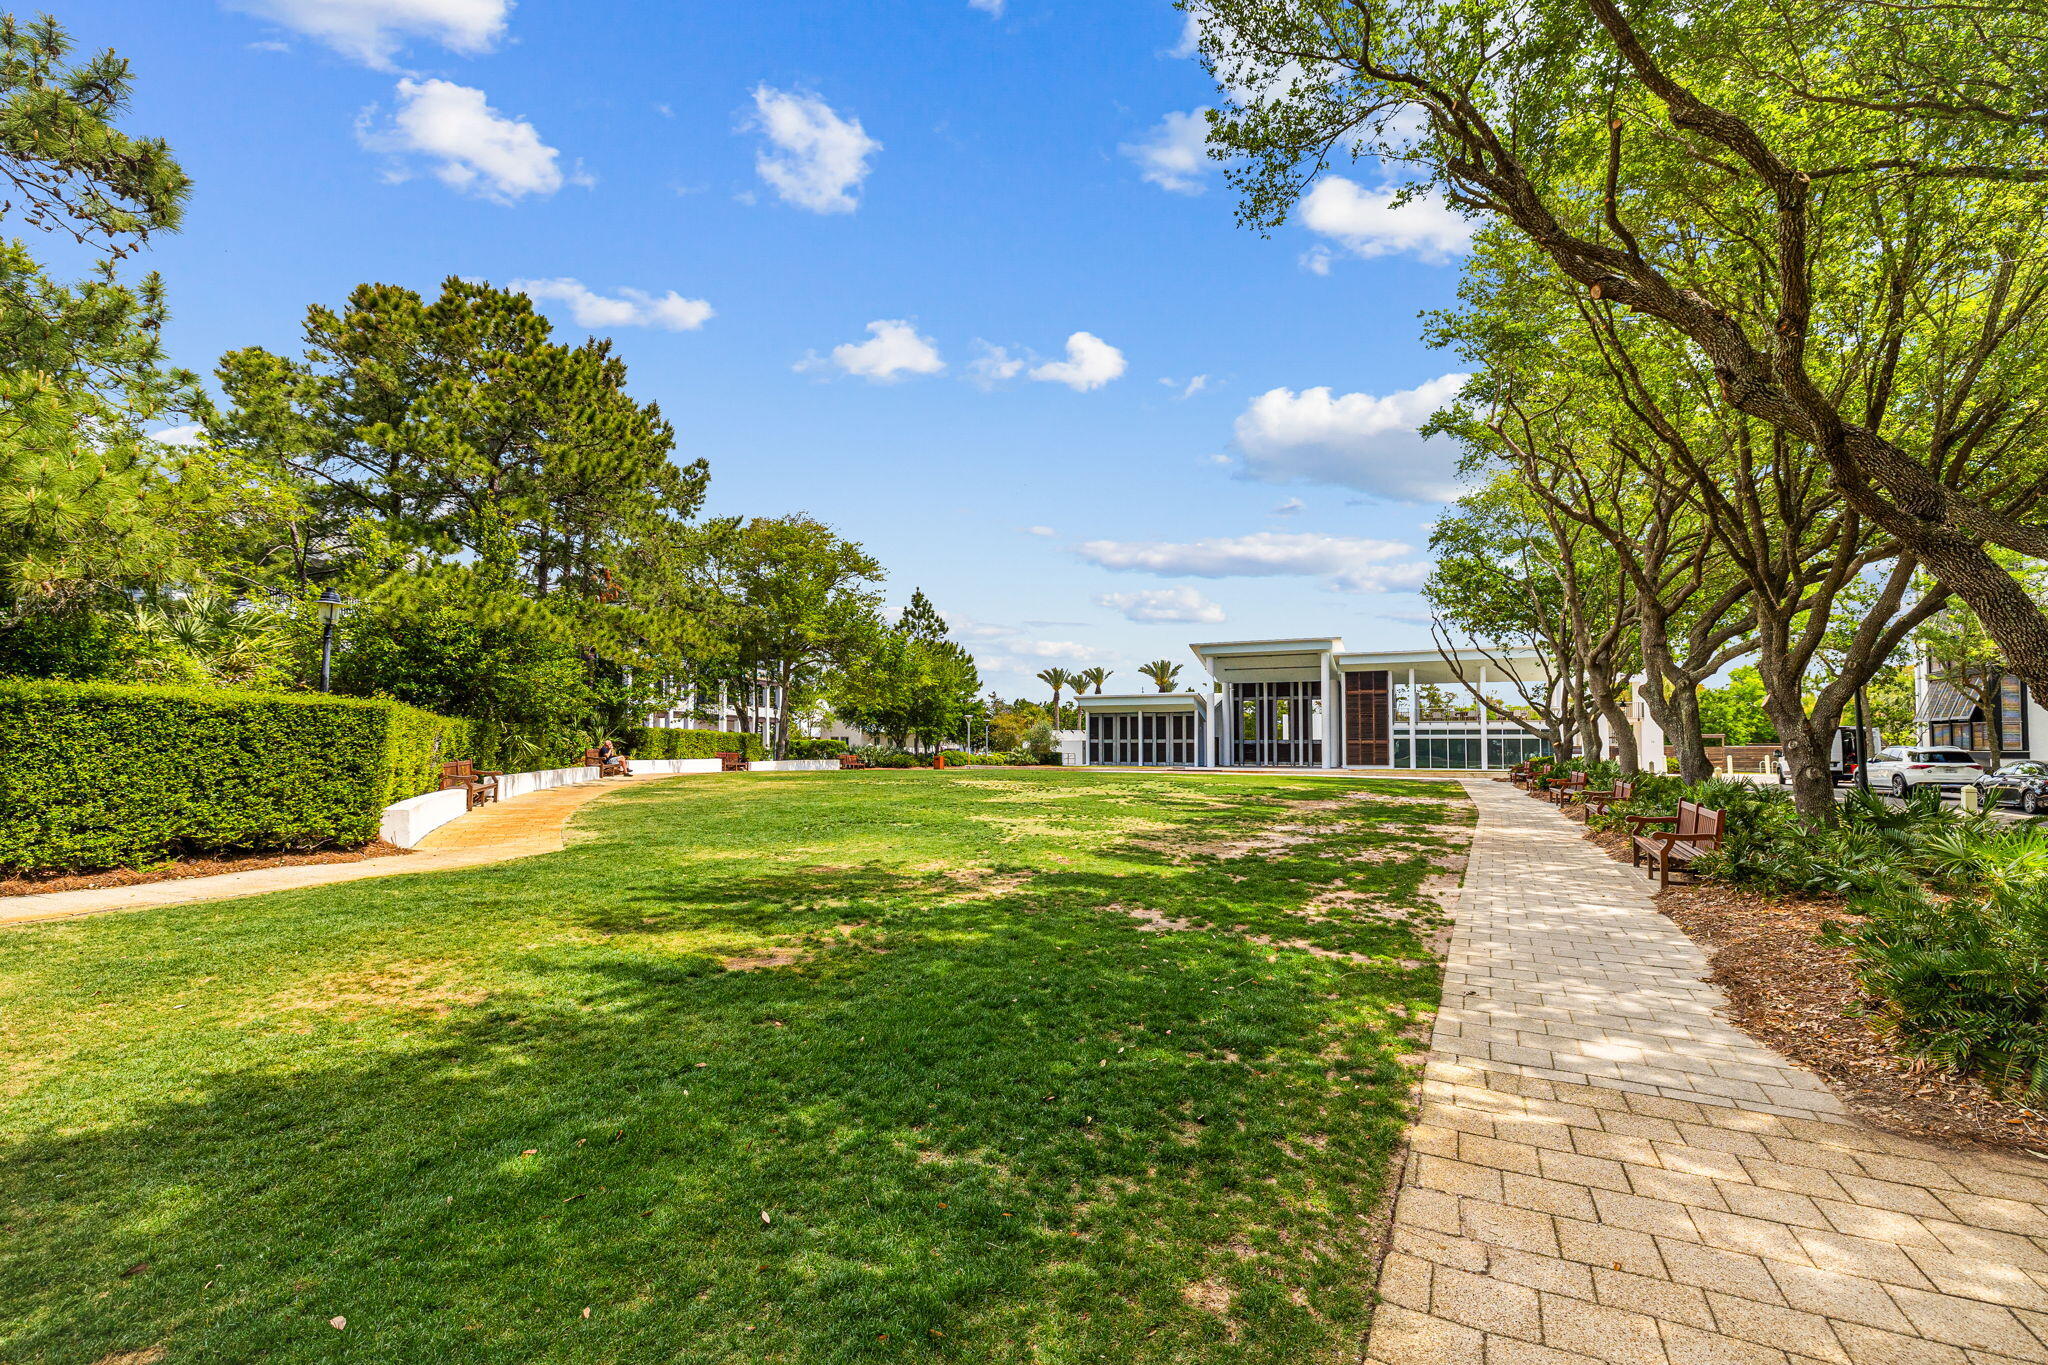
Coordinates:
101	775
801	747
958	759
885	756
1962	975
648	742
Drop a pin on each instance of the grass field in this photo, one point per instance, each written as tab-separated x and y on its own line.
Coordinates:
987	1065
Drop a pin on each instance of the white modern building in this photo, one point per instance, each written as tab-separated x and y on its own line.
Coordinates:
740	707
1314	704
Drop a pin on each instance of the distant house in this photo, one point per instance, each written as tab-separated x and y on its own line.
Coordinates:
1948	709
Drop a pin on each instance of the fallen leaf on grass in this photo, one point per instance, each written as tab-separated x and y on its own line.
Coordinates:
765	1218
337	1322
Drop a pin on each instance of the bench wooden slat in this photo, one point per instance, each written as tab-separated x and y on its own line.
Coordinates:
1694	832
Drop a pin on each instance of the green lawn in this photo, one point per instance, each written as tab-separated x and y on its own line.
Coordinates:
971	1066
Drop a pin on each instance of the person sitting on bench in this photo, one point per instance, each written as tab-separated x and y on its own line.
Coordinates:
611	760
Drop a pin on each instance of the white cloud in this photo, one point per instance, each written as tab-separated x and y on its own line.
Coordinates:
1316	260
1346	563
815	159
1040	531
1292	507
190	435
1188	390
1091	362
476	149
1176	156
628	308
992	8
1354	440
1368	222
372	31
1051	649
994	364
1163	604
893	350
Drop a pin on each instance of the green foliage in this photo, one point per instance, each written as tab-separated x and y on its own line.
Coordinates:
1964	974
1164	673
100	775
460	424
908	687
889	756
1736	710
956	758
527	693
803	746
652	742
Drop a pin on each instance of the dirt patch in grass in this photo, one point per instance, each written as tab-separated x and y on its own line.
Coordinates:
194	867
147	1355
420	986
1153	922
767	960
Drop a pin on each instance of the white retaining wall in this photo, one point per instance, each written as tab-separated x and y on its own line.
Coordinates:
406	822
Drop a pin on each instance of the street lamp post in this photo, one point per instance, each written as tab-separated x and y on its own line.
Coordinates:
330	606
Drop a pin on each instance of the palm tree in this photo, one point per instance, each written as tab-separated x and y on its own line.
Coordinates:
1092	677
1163	672
1057	679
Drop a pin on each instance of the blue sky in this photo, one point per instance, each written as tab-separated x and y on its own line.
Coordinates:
944	273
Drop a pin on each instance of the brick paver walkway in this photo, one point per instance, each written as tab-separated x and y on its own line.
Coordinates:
1604	1169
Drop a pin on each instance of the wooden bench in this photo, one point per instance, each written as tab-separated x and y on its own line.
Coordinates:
614	768
1562	792
852	761
1620	794
1695	830
732	763
1519	774
481	784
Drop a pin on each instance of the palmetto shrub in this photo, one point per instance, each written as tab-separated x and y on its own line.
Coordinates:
1961	967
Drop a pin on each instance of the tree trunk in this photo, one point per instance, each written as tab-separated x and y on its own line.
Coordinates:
1693	763
1616	716
1807	750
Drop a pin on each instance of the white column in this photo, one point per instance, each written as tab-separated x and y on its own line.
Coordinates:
721	706
1414	723
1482	719
1331	715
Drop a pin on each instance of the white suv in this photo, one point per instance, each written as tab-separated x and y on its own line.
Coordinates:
1903	767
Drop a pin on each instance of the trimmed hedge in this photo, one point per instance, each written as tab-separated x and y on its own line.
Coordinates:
649	742
101	775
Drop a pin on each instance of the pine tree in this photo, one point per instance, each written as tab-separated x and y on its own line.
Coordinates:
921	620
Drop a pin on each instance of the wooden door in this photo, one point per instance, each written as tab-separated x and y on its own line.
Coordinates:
1368	719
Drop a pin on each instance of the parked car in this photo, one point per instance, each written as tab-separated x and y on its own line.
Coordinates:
2023	783
1903	767
1843	755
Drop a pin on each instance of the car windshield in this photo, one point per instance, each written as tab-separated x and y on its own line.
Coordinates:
1942	756
2024	769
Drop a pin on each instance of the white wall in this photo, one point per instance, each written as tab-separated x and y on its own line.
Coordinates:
406	822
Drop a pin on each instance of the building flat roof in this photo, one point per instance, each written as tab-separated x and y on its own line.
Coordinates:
1312	644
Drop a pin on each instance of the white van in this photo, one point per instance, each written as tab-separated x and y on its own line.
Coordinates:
1843	755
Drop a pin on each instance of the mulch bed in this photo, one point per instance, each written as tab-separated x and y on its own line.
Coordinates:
1799	997
193	867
